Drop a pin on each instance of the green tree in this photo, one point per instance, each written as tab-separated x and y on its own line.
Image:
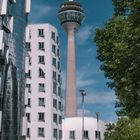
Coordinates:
125	129
118	49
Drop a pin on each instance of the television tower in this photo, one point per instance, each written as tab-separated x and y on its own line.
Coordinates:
71	15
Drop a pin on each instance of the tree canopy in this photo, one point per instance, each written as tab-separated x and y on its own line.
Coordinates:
125	129
118	49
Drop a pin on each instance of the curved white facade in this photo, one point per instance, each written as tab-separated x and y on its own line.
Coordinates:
74	126
43	86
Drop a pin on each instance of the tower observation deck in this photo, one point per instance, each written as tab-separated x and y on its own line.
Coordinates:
70	15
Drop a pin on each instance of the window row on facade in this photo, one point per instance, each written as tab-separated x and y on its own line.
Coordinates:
57	105
41	116
57	119
41	73
55	50
41	132
72	134
41	102
41	47
57	77
56	63
54	37
41	88
41	60
57	89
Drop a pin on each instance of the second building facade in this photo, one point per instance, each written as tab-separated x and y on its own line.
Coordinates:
43	84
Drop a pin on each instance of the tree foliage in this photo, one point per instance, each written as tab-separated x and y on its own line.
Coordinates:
125	129
118	49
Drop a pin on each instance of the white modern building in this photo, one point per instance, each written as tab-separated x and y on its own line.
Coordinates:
73	128
43	85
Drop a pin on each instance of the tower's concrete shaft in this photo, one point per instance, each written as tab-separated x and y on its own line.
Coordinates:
70	15
71	101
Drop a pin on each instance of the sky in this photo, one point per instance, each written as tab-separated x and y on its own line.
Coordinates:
88	74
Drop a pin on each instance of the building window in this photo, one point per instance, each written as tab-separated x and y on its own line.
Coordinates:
54	87
58	65
30	61
41	73
28	74
60	119
55	118
53	36
55	132
54	62
29	102
41	87
57	40
86	134
41	116
41	132
28	117
97	135
54	75
59	91
72	134
29	87
58	52
59	78
60	106
28	46
41	59
41	32
54	49
41	46
55	103
41	102
28	132
60	134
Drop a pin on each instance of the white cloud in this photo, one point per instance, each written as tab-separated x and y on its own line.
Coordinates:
85	83
99	98
90	50
84	78
84	34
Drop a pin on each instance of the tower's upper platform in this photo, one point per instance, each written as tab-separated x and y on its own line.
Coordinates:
70	11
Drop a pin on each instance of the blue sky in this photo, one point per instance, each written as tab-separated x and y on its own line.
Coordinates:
89	77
